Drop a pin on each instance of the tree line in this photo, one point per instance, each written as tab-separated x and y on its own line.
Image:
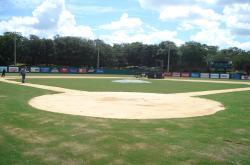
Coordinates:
76	51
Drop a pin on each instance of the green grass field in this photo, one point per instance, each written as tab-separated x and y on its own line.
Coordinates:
33	137
156	86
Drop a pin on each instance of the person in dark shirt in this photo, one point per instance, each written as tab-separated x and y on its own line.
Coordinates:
23	74
3	73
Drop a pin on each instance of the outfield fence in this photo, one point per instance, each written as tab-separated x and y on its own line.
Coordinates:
85	70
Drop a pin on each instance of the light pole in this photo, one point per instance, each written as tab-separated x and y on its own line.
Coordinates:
168	57
98	53
14	50
98	58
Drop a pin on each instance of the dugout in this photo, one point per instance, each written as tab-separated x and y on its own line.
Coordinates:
155	73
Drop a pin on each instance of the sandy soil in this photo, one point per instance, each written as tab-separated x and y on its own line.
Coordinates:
126	105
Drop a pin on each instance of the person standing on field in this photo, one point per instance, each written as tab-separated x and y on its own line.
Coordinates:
23	74
3	73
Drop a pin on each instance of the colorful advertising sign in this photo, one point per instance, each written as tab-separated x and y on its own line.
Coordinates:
91	70
167	74
82	70
235	76
73	70
99	71
34	69
54	70
64	70
185	74
13	69
45	69
195	75
204	75
2	68
225	76
176	74
245	77
214	75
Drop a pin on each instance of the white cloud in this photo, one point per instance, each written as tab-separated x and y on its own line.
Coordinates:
48	14
48	19
127	30
124	23
237	18
215	22
67	26
244	45
191	12
147	38
214	36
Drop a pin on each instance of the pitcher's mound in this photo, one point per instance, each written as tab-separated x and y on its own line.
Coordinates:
126	105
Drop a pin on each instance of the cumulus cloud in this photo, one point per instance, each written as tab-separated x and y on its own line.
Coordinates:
216	36
237	18
127	30
216	22
191	12
147	38
124	23
48	19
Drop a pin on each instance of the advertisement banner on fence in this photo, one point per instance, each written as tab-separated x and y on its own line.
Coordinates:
167	74
64	70
45	69
245	77
34	69
204	75
13	69
176	74
235	76
214	75
3	68
195	75
225	76
185	74
91	70
54	70
82	70
73	70
99	70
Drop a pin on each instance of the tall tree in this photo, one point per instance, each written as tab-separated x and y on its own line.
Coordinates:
193	56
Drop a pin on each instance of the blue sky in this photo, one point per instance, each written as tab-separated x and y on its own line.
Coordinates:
223	23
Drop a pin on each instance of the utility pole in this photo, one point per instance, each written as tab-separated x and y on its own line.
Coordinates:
168	57
15	50
98	60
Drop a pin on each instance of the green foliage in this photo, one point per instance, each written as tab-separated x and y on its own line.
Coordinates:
76	51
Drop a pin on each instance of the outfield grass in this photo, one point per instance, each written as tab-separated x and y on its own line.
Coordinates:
156	86
71	74
33	137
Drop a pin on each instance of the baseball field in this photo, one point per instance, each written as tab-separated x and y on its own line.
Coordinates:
96	120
